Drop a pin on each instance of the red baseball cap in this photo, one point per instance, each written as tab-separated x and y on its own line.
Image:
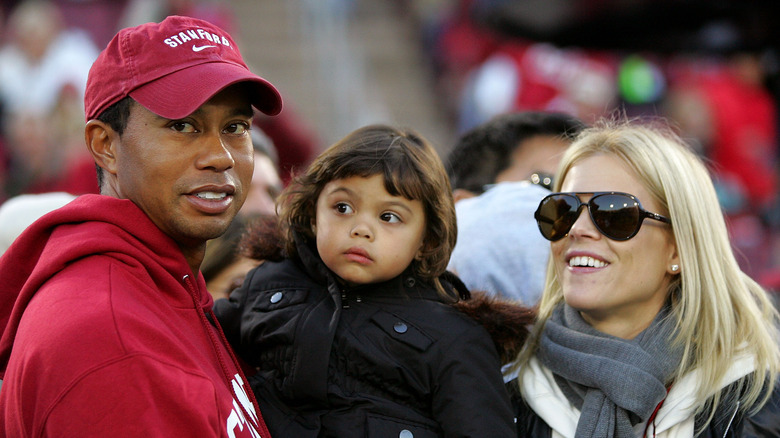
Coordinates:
172	68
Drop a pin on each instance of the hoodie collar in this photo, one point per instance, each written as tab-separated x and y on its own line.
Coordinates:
89	225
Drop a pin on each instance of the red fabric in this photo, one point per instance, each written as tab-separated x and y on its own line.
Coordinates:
462	45
99	18
4	160
565	80
79	179
296	146
104	333
172	68
745	139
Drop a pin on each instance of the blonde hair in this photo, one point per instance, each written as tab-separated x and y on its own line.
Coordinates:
720	312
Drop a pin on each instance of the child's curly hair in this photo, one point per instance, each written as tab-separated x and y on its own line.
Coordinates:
411	168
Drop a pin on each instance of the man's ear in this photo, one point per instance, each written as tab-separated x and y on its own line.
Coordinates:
101	142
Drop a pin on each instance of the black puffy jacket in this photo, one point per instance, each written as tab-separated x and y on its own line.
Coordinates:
385	360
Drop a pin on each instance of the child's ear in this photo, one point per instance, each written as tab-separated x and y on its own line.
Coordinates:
419	255
314	227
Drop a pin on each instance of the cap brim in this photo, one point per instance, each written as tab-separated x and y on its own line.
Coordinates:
180	93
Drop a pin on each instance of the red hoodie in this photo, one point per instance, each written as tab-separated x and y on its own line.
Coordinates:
105	333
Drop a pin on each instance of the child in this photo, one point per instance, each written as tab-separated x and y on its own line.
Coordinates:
353	333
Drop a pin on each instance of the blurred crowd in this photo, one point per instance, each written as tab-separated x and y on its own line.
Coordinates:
722	97
47	50
48	47
717	86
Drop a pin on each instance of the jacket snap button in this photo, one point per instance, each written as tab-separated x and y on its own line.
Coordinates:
405	434
276	297
400	327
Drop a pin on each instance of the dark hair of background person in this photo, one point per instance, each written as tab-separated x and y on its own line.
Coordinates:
483	152
224	250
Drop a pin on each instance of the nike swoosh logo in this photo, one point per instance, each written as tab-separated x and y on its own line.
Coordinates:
199	48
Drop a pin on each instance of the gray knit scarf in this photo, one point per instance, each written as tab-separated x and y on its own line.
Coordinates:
615	383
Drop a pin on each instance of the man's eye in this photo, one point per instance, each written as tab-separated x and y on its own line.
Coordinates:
237	128
390	218
343	208
180	126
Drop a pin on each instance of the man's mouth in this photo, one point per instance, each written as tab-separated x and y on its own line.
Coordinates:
211	195
212	200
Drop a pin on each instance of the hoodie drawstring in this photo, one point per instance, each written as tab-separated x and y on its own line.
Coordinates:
260	424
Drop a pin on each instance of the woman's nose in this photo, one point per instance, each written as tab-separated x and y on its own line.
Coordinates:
584	225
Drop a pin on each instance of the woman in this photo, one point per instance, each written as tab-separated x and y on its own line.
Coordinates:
647	326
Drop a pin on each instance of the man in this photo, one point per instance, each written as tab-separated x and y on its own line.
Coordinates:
500	170
510	147
107	327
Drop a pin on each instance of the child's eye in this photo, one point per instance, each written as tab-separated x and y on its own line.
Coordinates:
390	218
343	208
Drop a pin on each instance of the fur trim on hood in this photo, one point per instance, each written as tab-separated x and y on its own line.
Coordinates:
263	239
508	322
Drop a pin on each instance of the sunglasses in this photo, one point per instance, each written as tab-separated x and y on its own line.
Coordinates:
616	215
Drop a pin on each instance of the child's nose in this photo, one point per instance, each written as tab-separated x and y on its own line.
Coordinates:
361	229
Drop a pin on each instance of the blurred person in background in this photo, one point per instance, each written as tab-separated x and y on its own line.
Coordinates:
224	264
43	74
41	57
499	171
726	110
100	19
513	146
53	159
266	183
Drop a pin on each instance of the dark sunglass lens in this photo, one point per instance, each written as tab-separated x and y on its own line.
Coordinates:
555	215
616	216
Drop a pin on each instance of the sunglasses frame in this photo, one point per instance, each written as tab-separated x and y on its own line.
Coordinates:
643	214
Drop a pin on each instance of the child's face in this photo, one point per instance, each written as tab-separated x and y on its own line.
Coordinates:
364	234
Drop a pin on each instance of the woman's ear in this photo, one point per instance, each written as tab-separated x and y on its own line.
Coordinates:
101	142
673	267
